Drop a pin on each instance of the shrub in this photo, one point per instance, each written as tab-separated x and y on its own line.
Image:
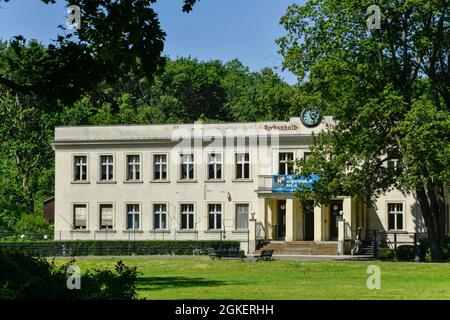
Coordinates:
386	254
33	227
426	251
120	248
405	253
26	277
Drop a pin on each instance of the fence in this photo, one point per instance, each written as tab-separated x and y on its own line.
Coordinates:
79	242
394	240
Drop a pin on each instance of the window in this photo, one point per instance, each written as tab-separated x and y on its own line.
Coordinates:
106	168
187	216
133	168
285	163
187	166
133	213
106	216
242	166
160	167
80	169
79	216
160	216
242	211
214	166
306	156
214	216
395	214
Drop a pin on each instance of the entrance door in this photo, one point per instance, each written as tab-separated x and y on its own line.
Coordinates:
308	217
336	208
281	221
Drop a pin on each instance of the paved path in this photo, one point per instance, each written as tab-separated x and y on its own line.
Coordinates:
249	257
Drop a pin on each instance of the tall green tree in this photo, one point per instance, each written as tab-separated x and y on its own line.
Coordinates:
117	38
390	90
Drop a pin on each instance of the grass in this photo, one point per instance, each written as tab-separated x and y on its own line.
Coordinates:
202	278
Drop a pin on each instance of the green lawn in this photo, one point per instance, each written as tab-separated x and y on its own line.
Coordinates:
202	278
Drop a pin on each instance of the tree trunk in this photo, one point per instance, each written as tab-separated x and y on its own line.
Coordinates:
434	217
25	184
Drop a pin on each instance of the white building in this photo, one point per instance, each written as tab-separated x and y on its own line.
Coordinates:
204	182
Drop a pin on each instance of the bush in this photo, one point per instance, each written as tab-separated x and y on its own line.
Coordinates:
119	248
386	254
26	277
33	227
445	250
405	253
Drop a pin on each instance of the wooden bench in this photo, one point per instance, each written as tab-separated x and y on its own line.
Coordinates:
265	255
228	254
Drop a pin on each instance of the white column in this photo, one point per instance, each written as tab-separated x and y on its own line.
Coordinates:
269	210
318	223
347	208
252	236
290	220
341	226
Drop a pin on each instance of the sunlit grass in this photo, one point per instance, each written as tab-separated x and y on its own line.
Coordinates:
202	278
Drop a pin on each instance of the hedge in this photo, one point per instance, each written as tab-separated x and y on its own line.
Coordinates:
116	248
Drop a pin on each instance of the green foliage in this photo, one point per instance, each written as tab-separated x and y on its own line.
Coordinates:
189	90
445	247
186	90
405	253
390	91
386	254
115	247
32	278
117	38
33	227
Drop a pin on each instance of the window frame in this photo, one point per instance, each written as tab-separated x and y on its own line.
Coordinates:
221	163
237	163
100	167
249	205
215	213
113	206
306	154
166	212
181	164
194	208
127	178
86	205
153	166
395	213
285	163
74	166
127	212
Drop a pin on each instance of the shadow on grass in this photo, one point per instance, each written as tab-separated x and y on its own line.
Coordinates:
158	283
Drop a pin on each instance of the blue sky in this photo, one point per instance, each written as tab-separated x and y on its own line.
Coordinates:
215	29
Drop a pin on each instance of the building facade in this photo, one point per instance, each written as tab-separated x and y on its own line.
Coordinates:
230	181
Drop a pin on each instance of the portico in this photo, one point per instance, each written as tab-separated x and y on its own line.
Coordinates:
280	217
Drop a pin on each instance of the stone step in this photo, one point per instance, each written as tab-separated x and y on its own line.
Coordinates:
302	247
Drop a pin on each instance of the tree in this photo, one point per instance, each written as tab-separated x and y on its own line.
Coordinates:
117	38
390	90
25	133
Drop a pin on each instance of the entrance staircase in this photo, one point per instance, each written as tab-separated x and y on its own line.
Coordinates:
301	248
367	248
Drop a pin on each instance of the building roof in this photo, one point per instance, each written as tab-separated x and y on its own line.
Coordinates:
157	133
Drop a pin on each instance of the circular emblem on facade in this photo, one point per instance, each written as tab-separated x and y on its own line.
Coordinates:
310	117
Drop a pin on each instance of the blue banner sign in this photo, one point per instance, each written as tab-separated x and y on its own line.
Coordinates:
292	182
